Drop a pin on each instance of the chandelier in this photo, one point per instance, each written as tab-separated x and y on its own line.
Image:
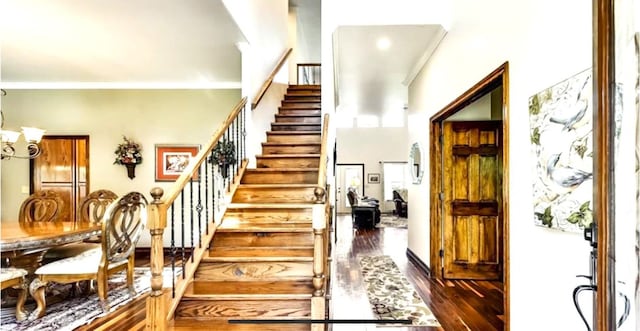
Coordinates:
9	138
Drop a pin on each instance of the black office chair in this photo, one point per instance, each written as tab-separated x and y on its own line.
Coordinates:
401	205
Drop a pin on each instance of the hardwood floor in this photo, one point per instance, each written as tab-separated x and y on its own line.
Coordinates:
457	304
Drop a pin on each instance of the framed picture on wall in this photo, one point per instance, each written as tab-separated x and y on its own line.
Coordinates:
172	160
373	178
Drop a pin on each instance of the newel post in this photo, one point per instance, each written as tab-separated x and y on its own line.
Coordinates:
156	304
318	300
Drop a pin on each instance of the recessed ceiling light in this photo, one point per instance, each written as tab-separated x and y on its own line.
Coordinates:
383	43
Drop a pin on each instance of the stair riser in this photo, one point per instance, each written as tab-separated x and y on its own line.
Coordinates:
253	271
299	162
263	239
271	215
299	149
244	309
314	93
293	139
298	119
237	254
247	288
192	324
274	195
298	104
305	86
288	177
300	111
303	97
293	127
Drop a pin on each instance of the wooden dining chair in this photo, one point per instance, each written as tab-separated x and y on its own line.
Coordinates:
125	218
91	209
41	206
14	278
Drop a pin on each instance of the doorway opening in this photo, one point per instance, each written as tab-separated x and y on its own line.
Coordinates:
469	223
348	175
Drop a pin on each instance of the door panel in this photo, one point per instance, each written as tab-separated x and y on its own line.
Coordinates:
62	167
472	186
349	175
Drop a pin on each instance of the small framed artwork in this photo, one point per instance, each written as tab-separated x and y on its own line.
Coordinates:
373	178
172	160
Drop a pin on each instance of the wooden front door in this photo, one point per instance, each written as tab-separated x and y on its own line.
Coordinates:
63	167
472	203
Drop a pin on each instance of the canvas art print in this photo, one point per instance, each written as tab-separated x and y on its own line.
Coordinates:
561	139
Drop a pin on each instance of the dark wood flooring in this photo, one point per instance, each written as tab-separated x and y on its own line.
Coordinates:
457	304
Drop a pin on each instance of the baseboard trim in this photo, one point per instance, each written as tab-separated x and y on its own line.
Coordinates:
413	258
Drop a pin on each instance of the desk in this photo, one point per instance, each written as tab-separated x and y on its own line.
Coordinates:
25	244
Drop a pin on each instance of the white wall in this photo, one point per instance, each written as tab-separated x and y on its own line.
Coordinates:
479	110
261	119
372	146
147	116
545	42
292	23
264	24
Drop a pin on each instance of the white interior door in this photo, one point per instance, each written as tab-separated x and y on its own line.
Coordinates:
349	175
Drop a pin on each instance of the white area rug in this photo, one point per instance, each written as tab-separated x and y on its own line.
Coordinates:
392	222
391	295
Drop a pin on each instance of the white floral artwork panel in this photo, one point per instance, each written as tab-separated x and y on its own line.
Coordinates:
561	140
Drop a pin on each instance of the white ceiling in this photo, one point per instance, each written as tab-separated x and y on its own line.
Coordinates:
374	81
188	42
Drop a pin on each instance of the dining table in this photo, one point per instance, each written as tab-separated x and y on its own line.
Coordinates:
23	245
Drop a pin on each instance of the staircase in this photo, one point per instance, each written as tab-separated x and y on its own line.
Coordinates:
260	261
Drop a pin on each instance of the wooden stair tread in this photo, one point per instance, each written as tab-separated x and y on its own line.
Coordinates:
287	156
305	86
314	109
216	297
249	288
293	133
245	259
265	227
296	124
298	115
316	100
265	186
279	252
193	324
237	205
290	144
313	94
280	169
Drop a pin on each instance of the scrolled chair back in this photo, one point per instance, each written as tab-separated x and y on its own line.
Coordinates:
41	206
124	221
94	206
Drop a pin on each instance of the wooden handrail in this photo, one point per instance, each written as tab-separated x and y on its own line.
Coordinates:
322	168
185	177
160	307
269	80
